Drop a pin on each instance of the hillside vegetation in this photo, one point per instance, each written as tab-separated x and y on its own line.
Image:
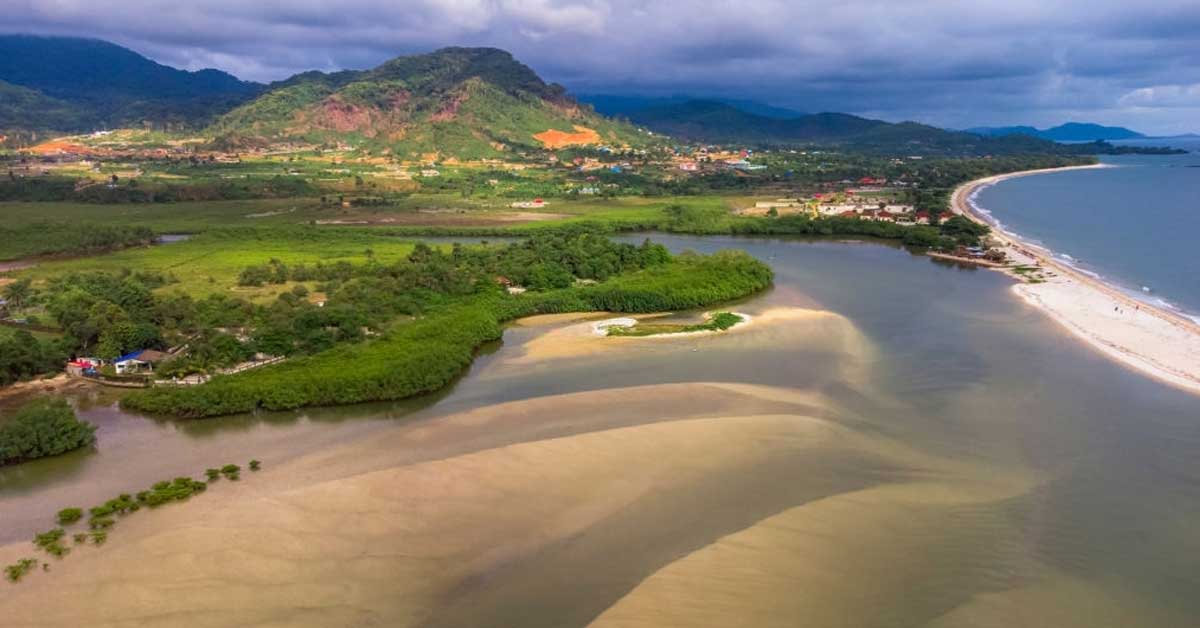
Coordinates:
468	103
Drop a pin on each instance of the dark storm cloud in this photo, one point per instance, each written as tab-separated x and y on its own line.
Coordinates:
950	63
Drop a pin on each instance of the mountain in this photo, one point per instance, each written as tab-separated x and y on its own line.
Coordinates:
1069	132
105	84
619	105
24	108
710	121
460	102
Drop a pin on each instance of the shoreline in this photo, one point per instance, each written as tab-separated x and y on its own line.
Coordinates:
1142	336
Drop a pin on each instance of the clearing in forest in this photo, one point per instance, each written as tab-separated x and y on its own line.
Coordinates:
552	138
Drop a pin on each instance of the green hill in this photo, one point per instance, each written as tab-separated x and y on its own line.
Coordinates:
458	102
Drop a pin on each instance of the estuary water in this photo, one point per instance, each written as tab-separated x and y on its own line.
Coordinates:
890	442
1134	224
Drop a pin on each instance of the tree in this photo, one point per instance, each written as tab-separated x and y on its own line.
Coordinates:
19	293
43	427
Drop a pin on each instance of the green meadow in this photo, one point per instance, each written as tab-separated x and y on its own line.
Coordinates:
210	262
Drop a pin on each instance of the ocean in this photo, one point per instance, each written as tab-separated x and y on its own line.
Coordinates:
1134	224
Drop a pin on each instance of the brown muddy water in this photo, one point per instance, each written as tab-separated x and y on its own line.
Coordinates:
890	442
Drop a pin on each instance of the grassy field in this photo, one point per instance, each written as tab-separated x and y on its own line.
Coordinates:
449	210
210	262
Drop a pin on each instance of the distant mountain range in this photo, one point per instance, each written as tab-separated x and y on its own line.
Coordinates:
618	105
719	122
70	84
1069	132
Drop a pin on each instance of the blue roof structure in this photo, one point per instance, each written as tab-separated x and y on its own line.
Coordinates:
130	356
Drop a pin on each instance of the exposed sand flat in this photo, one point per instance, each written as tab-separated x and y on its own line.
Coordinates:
542	418
1151	340
542	320
394	546
577	340
807	565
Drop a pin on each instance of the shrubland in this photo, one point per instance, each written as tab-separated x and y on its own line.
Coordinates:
43	427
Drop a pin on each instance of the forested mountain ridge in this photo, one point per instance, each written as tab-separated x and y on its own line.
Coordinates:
722	123
74	84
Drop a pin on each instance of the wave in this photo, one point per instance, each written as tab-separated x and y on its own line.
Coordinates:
1137	291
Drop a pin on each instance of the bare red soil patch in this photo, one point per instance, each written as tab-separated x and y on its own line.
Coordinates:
56	147
582	136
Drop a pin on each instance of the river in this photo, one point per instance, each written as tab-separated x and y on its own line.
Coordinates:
891	441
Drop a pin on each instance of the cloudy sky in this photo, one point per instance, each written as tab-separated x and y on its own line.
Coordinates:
954	64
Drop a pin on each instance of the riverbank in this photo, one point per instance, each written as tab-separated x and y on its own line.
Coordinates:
1152	340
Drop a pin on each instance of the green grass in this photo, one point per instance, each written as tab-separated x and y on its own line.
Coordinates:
182	217
191	217
210	262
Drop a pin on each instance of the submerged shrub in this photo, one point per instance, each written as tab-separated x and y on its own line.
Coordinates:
67	516
50	537
101	523
18	570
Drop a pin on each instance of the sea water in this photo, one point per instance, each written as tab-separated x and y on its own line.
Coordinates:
1133	224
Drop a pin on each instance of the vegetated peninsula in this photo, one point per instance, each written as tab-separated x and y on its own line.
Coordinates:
454	302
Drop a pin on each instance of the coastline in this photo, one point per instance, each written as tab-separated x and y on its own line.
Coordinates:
1149	339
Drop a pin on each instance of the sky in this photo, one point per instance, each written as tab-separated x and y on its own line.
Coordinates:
952	64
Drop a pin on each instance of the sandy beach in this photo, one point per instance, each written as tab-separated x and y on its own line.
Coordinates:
1149	339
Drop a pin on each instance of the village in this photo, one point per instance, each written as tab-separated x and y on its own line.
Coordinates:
137	369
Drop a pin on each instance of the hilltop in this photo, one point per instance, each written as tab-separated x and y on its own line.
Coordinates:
73	84
460	102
